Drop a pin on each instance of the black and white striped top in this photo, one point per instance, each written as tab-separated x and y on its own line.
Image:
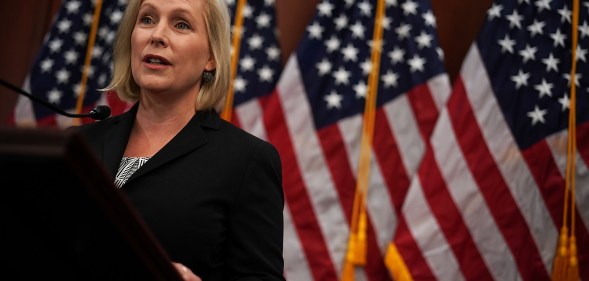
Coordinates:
128	166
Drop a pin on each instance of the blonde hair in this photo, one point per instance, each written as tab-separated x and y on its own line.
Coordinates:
211	94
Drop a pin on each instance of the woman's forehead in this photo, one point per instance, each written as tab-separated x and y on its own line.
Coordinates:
190	5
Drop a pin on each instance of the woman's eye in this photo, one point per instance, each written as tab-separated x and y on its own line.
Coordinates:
146	20
183	26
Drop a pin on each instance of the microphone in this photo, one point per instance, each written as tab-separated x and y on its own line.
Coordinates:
100	112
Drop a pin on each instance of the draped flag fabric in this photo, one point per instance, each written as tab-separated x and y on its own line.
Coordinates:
487	202
56	74
314	118
259	61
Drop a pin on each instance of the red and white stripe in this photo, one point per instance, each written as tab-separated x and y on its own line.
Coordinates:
320	166
479	208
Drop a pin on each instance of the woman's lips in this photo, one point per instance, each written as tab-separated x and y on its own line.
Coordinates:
156	60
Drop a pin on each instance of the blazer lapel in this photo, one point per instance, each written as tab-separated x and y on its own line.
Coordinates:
116	139
191	137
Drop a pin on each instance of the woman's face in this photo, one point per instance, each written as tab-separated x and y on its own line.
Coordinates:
169	46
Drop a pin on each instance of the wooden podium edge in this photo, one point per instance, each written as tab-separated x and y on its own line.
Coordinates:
97	184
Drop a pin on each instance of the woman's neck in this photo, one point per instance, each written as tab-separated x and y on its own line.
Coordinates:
166	109
156	123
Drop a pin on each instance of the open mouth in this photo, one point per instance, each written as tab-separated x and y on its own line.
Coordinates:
153	59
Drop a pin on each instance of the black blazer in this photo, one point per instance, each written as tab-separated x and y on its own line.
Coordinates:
212	196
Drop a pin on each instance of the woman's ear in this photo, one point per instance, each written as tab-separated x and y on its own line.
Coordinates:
211	64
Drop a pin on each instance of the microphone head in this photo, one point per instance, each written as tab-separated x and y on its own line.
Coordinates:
100	112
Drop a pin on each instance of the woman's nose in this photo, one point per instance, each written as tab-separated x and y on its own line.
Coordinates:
158	36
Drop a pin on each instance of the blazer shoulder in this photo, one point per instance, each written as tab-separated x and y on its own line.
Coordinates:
98	126
242	136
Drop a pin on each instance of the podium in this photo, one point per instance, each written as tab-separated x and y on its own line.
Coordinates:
62	218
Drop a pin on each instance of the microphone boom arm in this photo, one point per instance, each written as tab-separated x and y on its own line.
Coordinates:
98	113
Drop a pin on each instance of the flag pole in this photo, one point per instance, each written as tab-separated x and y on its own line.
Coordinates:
237	30
88	60
357	248
566	263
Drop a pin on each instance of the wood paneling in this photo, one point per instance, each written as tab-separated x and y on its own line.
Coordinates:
459	22
23	25
292	18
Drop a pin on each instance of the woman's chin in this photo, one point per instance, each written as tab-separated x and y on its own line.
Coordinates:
155	87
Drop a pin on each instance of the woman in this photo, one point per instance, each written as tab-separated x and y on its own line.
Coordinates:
210	192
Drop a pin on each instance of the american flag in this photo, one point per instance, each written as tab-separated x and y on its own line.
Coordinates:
259	65
487	201
314	118
56	75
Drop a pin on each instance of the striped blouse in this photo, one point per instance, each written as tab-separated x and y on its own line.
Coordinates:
128	166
